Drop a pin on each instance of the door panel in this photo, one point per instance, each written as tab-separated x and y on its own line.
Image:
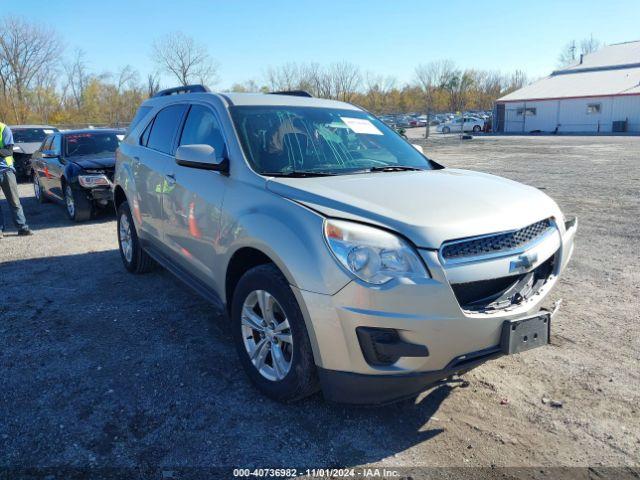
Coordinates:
39	163
192	211
155	164
192	208
55	168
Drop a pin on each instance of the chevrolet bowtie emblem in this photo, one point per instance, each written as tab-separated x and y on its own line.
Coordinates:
523	262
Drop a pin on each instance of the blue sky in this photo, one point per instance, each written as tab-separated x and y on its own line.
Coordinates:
384	37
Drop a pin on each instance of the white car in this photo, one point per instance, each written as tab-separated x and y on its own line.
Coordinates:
471	124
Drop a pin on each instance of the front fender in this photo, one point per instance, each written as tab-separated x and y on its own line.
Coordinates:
289	234
70	174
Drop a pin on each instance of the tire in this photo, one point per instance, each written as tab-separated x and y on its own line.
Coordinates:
133	256
41	196
76	204
476	128
284	384
446	130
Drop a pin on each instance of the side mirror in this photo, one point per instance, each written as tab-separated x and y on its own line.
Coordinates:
201	156
49	154
418	147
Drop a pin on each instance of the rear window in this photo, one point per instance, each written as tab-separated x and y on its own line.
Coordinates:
164	128
31	135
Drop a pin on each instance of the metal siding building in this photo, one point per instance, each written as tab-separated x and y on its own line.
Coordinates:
590	96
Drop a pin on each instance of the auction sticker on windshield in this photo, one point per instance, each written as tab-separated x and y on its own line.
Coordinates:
361	125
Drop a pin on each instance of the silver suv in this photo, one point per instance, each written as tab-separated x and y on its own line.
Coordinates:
347	260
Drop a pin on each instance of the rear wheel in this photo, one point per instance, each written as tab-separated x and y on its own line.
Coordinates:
271	337
77	205
38	191
476	128
446	130
134	258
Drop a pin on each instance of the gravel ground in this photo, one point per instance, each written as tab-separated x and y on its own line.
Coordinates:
102	368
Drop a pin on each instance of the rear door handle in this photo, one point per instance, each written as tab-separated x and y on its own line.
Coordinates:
171	178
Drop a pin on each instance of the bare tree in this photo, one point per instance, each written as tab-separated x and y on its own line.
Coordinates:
26	50
589	45
180	56
283	77
345	79
569	54
153	84
78	77
432	77
127	77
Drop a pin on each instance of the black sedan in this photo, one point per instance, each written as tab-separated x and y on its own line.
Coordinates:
75	168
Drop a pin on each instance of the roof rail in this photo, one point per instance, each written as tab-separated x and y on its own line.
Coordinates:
293	93
184	89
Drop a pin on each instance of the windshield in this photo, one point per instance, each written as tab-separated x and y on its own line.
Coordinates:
82	144
287	140
31	135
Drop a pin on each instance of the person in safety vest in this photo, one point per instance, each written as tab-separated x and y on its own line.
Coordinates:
9	184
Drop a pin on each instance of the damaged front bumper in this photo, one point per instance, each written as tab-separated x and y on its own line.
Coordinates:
357	388
409	314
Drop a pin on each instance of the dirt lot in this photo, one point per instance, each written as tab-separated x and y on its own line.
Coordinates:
102	368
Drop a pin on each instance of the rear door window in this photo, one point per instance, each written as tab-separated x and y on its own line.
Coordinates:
202	128
164	128
140	114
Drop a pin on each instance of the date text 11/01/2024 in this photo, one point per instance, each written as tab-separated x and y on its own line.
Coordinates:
317	472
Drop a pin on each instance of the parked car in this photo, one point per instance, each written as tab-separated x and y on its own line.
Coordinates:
347	260
27	139
471	124
75	168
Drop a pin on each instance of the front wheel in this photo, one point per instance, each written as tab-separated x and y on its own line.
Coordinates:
476	128
38	191
271	337
78	207
446	130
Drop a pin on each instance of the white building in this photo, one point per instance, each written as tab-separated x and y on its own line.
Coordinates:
594	95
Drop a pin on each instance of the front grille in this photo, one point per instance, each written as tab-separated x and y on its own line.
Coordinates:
503	292
495	243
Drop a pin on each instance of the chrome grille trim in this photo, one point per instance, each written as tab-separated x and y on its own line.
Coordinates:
494	245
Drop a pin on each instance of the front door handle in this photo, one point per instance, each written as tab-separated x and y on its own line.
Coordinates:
171	178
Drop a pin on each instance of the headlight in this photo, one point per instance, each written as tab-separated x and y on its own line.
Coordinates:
372	254
90	181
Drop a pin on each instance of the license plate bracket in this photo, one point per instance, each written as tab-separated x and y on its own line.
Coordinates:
525	334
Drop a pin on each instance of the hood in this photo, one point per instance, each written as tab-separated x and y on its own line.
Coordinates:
27	148
97	162
428	207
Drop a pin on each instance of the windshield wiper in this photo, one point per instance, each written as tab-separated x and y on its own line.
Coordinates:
389	168
297	174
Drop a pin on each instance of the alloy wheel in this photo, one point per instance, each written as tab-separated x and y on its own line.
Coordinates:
126	244
267	335
36	187
68	200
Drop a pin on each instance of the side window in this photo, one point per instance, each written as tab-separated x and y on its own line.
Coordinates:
164	128
144	138
140	114
202	127
46	145
56	145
